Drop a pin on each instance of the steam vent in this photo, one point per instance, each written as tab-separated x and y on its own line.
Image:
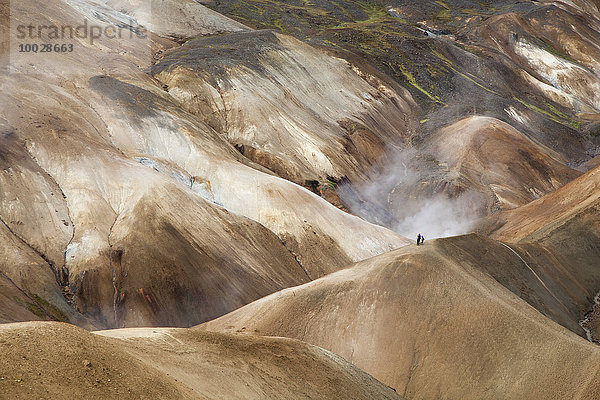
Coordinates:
294	199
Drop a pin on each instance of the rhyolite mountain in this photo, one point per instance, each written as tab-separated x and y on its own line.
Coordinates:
530	64
247	176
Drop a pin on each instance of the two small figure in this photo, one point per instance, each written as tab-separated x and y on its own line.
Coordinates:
420	239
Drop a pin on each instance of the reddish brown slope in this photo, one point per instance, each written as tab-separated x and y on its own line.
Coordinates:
574	205
498	165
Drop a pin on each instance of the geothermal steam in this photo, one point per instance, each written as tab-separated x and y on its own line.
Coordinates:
411	194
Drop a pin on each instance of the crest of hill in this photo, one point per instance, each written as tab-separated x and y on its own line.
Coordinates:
432	323
48	359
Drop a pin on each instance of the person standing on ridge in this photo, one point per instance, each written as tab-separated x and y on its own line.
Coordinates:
419	239
422	239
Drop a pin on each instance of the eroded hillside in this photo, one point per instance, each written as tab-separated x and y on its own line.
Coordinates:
253	167
143	208
531	65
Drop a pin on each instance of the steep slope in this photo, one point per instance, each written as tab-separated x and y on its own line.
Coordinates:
531	65
282	104
575	203
464	57
202	160
491	156
566	222
430	323
457	175
487	156
49	359
31	267
139	208
122	213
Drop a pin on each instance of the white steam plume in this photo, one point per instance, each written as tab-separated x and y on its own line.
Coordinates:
418	195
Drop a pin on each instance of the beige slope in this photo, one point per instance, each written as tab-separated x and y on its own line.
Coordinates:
322	237
50	359
565	225
97	143
176	18
204	262
147	250
28	193
430	323
30	268
287	106
563	65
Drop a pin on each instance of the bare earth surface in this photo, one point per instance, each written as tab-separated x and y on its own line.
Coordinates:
44	360
216	210
422	319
